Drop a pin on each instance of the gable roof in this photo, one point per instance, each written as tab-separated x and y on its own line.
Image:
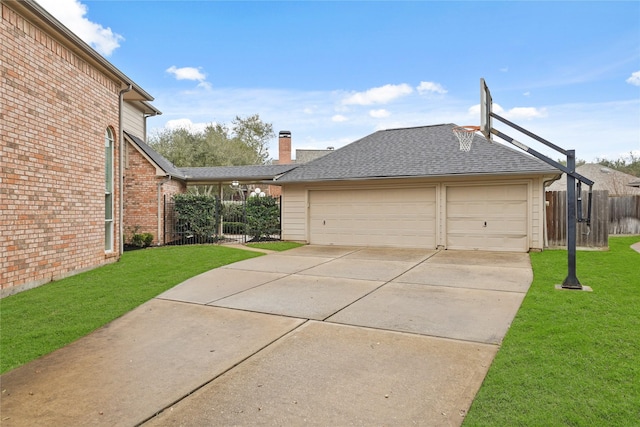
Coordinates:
426	151
159	160
615	182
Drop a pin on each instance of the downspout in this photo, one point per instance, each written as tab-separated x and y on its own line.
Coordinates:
160	184
122	147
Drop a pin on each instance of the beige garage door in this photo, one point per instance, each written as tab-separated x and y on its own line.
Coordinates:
373	217
488	217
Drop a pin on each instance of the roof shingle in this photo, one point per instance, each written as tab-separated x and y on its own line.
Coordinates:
240	173
416	152
157	158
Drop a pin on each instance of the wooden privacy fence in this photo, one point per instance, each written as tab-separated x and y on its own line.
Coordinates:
624	215
596	236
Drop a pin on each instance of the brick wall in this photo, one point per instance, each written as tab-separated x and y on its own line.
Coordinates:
141	196
54	111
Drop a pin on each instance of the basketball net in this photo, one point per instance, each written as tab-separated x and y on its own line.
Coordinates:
465	136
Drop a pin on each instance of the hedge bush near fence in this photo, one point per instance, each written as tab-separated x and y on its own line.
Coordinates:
263	217
198	215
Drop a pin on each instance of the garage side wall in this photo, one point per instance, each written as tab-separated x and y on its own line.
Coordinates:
538	221
294	213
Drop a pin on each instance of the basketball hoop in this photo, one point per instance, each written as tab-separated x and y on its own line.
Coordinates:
465	136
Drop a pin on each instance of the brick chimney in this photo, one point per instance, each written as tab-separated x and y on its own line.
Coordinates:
284	145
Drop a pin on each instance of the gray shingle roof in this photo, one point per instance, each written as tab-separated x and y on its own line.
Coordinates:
215	173
416	152
239	173
157	158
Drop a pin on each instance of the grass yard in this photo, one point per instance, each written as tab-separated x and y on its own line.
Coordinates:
275	246
38	321
571	358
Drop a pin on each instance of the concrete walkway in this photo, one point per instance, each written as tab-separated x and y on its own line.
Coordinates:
315	335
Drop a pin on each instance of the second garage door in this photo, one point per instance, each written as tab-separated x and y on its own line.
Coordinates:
488	217
404	217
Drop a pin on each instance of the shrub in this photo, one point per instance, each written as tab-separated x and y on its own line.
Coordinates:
140	240
197	214
147	239
233	211
233	227
263	217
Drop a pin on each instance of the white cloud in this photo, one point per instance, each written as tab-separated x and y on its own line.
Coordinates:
187	73
430	87
379	114
185	124
190	73
603	129
524	113
71	13
634	79
378	95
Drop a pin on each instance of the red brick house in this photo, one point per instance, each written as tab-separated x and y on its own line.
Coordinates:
63	112
149	178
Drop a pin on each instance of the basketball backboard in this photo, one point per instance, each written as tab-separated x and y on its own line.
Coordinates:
486	105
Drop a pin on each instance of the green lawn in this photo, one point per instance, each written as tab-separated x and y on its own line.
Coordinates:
571	358
38	321
275	246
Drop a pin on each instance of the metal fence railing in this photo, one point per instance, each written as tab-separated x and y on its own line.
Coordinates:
228	223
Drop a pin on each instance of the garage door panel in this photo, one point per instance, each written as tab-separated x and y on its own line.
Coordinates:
373	217
481	242
491	217
501	210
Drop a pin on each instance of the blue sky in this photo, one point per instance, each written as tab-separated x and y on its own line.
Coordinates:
332	72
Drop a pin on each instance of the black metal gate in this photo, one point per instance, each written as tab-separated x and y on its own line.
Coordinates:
234	220
226	225
181	230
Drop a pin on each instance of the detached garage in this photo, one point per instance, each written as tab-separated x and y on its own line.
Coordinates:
413	187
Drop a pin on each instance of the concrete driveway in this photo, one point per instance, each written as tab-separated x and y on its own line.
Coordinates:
318	335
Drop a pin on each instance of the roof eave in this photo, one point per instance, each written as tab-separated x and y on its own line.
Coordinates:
149	109
439	176
223	180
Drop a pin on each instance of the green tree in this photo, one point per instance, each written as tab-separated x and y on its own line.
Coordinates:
628	164
245	143
177	145
255	134
579	162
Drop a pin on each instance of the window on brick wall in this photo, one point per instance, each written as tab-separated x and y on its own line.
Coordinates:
108	190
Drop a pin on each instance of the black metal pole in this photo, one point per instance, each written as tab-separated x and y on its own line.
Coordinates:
571	282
